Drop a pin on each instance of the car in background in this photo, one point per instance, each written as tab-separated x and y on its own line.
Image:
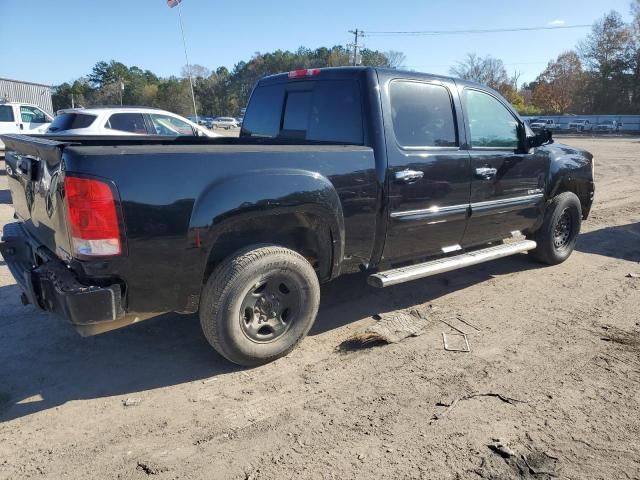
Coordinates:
610	126
124	121
20	117
581	125
541	123
225	122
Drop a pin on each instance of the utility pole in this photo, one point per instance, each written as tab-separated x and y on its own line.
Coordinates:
184	44
356	33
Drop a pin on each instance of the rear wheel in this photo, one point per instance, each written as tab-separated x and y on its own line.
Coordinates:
557	236
259	304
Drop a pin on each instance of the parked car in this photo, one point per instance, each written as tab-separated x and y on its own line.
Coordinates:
225	122
581	125
124	121
19	117
541	123
610	126
335	169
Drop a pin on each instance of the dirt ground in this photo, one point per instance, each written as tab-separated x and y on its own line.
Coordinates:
156	400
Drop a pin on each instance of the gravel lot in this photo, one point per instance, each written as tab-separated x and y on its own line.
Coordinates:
154	399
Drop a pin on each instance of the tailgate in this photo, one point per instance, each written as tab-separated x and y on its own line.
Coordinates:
34	167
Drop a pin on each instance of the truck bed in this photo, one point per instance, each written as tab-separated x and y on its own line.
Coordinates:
174	192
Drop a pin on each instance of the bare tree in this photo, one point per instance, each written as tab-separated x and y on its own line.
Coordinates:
197	71
486	70
397	59
635	13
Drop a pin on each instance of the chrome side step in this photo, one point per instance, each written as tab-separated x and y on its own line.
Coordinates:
442	265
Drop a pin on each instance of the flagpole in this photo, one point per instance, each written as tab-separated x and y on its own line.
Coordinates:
184	44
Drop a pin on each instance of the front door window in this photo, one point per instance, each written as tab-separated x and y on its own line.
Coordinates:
490	123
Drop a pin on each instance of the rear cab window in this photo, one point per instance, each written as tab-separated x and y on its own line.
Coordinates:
71	121
313	110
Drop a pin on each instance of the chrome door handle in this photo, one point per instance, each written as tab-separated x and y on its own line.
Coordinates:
408	176
486	172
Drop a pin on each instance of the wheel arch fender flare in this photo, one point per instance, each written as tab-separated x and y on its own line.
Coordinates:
271	198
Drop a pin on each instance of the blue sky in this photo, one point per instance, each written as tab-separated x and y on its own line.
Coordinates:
55	41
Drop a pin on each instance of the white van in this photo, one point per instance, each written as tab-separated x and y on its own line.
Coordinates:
18	117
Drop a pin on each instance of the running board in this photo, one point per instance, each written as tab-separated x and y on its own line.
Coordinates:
442	265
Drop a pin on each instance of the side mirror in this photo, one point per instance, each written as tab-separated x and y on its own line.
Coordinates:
542	137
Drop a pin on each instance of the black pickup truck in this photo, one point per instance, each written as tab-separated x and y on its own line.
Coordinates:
401	174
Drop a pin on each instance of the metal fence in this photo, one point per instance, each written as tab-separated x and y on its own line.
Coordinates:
28	92
629	123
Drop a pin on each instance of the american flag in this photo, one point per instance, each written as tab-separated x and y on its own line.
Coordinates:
173	3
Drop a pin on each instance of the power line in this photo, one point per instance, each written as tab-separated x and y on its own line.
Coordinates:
468	32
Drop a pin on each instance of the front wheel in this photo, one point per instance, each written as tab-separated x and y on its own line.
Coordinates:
557	236
259	304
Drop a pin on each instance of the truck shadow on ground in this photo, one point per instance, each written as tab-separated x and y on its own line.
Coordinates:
622	241
46	364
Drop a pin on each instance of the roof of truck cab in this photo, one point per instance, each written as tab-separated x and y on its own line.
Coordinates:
346	72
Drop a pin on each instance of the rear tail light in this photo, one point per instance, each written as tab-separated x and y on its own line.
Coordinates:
305	72
92	217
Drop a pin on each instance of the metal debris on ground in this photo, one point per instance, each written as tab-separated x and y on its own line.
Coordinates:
132	402
463	342
451	406
460	319
391	328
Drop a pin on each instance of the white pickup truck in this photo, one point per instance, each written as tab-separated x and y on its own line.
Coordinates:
18	117
541	123
609	126
581	125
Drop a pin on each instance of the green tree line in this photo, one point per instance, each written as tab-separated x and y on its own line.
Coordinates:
217	92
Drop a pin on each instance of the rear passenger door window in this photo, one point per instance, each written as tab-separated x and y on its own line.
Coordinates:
422	115
127	122
490	123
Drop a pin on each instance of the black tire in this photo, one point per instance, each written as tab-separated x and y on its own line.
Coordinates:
557	236
258	304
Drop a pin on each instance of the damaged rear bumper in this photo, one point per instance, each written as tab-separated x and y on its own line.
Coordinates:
48	284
